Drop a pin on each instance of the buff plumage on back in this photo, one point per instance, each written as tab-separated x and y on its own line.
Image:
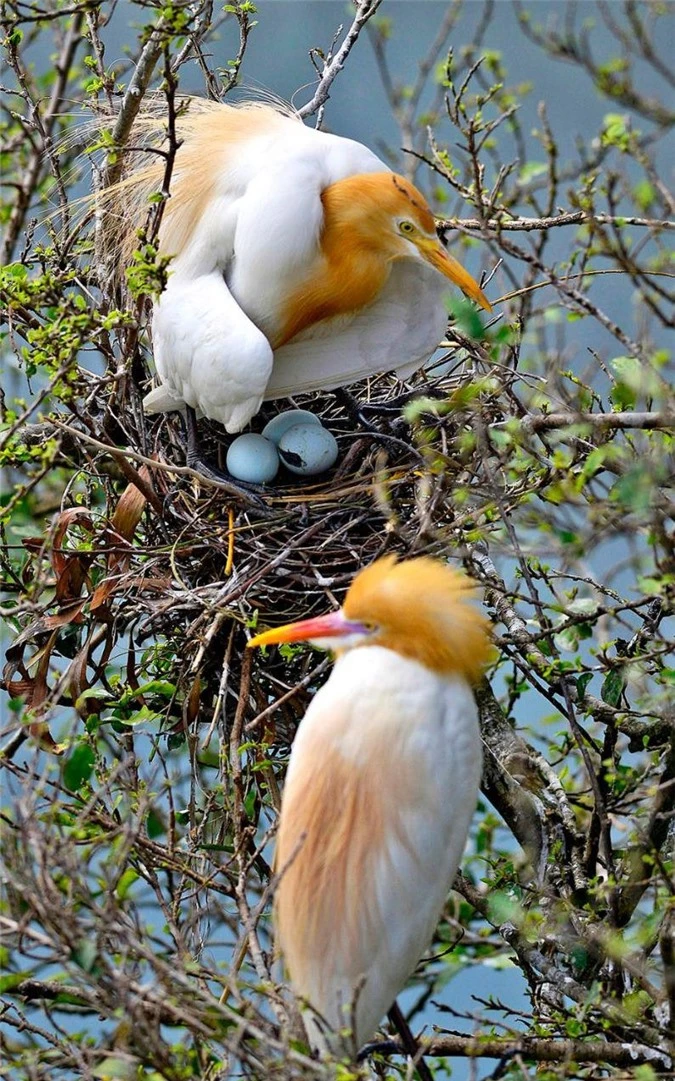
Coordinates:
209	134
447	633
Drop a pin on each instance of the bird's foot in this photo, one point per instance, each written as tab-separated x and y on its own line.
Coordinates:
357	410
250	494
353	409
377	1047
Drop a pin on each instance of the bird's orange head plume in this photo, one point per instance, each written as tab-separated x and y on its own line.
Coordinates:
389	215
420	608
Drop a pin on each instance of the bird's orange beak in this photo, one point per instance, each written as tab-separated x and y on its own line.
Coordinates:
333	625
434	253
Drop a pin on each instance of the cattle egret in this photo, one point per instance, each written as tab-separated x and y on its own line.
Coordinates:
380	790
300	262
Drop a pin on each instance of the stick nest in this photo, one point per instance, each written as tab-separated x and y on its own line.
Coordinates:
169	587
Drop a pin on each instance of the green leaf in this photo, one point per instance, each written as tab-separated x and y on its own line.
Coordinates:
138	717
99	693
634	490
467	318
126	881
644	1073
504	908
567	639
583	606
532	169
85	954
162	687
612	687
17	271
12	980
116	1069
636	377
644	195
154	825
636	1003
616	131
574	1028
79	767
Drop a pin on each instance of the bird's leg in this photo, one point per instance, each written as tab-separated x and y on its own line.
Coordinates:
378	1047
390	1047
247	493
395	405
409	1042
353	409
356	410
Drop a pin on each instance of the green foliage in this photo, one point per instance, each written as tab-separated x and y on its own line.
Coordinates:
147	274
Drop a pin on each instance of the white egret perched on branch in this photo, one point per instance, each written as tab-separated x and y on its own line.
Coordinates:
380	790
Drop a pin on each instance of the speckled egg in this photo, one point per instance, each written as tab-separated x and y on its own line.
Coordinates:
307	449
252	458
280	424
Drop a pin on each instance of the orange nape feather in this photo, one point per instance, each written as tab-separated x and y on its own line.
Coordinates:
368	196
423	610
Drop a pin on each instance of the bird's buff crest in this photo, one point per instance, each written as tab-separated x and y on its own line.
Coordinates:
420	608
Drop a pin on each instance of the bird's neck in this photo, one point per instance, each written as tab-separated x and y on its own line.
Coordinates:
349	274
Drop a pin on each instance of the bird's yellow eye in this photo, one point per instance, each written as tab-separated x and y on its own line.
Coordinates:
406	227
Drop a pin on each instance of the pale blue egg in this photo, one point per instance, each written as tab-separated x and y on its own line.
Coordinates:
281	423
252	458
307	449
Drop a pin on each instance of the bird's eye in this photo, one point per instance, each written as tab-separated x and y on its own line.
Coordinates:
368	625
406	227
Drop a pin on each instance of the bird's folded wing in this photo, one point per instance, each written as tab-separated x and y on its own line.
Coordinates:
208	353
398	332
369	840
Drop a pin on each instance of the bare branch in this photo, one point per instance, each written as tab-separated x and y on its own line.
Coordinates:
365	9
596	422
527	225
537	1049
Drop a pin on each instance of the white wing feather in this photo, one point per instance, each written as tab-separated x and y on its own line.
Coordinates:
398	332
208	353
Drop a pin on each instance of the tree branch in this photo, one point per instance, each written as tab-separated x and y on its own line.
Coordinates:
45	123
537	1049
527	225
133	98
546	422
334	65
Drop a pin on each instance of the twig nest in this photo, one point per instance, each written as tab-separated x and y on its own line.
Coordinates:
307	449
279	425
253	458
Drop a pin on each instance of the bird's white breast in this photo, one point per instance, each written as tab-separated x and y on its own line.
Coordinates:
375	695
